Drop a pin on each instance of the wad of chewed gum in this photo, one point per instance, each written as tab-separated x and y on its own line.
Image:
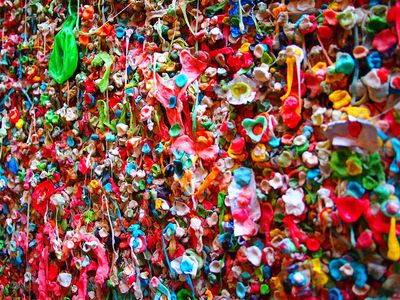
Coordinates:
353	133
243	203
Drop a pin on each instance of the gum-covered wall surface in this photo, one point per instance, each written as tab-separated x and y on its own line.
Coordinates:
199	149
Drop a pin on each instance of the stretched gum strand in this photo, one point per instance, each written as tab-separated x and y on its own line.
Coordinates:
324	51
298	67
210	177
290	61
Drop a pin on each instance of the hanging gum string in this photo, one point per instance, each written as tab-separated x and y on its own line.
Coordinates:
194	109
127	37
185	17
33	125
254	18
190	283
290	61
324	51
241	25
298	67
172	272
197	25
102	11
356	69
77	16
25	8
115	253
110	222
27	229
44	42
157	28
